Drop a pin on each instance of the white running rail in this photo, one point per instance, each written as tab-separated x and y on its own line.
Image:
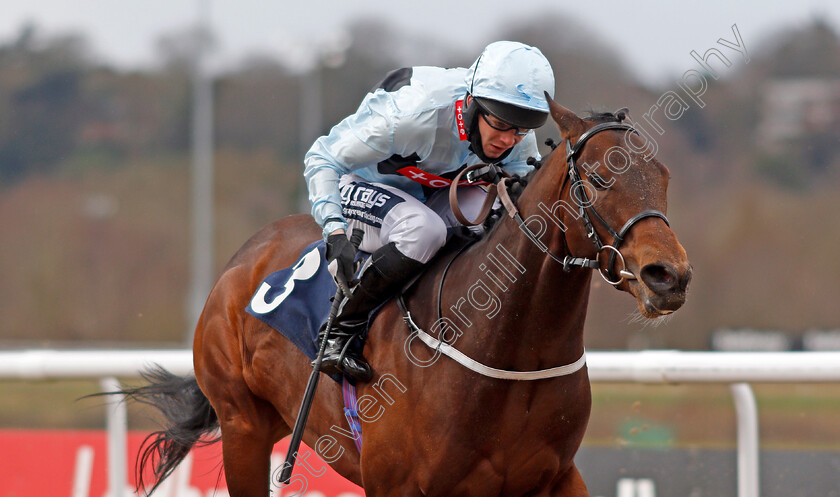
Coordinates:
737	369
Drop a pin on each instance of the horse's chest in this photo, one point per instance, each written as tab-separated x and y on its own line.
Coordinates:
509	434
518	415
506	472
483	438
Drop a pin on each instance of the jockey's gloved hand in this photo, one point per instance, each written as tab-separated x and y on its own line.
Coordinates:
341	259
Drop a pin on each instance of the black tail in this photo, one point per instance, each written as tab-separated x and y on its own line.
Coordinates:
189	417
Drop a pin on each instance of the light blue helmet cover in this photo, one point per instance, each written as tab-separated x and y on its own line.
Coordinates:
512	73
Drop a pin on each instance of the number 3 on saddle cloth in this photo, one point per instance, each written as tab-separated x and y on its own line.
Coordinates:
296	302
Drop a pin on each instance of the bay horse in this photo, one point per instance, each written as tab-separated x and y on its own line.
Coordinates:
439	429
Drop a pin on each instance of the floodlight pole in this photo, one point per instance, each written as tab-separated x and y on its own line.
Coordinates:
202	174
309	125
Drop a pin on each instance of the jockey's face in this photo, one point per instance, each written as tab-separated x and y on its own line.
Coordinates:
493	141
497	136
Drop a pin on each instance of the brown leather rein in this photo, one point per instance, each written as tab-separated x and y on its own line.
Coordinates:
501	191
492	192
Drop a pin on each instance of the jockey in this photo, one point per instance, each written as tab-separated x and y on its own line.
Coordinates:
386	169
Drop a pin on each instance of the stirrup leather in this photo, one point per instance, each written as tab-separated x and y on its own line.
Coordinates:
343	353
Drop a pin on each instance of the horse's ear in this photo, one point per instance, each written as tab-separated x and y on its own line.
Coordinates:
569	123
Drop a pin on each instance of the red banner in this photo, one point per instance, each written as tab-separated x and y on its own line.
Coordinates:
414	173
459	119
74	463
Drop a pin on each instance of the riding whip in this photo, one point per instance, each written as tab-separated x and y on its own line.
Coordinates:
315	376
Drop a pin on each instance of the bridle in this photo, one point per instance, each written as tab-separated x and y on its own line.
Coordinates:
586	208
569	262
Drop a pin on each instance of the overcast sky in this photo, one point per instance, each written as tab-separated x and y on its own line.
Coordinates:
653	37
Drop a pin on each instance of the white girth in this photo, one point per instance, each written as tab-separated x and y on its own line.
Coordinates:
473	365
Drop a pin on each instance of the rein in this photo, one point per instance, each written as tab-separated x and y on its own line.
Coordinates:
486	206
572	152
586	207
569	262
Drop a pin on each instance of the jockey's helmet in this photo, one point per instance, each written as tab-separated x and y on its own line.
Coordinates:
509	80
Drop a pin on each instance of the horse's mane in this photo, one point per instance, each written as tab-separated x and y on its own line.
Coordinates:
607	117
518	184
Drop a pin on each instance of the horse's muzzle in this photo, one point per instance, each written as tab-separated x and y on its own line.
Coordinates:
667	287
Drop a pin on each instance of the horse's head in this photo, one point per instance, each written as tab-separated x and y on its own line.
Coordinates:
619	191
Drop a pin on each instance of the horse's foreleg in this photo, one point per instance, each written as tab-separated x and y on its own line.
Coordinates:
570	485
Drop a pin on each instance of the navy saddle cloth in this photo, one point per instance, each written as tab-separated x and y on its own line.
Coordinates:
296	301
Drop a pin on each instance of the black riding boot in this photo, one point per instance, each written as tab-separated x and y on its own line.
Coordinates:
387	273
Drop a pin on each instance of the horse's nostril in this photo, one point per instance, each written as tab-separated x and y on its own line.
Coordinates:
660	278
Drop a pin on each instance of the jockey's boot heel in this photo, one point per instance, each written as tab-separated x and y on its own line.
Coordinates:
388	271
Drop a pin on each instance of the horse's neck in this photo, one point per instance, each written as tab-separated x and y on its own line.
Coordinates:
534	310
545	304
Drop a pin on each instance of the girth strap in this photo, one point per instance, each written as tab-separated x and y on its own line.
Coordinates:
473	365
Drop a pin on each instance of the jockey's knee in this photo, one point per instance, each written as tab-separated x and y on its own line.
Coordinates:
419	235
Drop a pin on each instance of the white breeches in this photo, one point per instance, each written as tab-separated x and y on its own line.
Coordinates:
387	214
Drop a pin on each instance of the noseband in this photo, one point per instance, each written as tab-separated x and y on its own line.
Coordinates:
568	263
586	208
